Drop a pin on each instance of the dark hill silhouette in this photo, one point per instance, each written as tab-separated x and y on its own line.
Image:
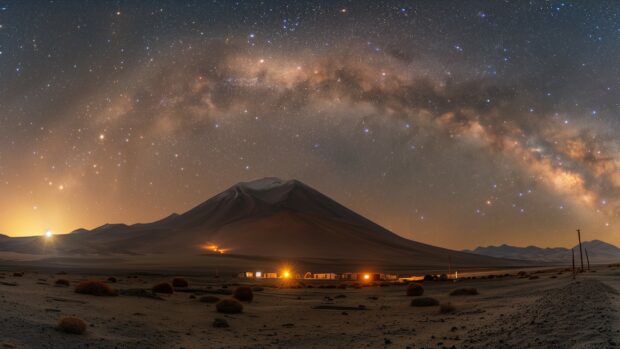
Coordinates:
266	217
598	252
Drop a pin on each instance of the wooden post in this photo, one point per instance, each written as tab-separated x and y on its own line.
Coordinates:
580	250
587	258
449	266
573	251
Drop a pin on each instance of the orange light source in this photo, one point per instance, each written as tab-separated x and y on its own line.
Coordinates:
213	248
286	274
366	276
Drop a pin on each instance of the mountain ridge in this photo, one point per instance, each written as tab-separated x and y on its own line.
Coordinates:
598	252
267	217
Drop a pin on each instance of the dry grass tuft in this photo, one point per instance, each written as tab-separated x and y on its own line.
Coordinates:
71	324
229	306
163	287
244	293
62	282
424	302
180	282
95	288
446	308
415	290
465	291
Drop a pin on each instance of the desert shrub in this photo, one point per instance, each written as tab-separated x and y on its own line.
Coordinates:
179	282
95	288
415	290
20	274
112	279
71	324
209	299
465	291
61	282
533	277
244	293
424	302
163	287
446	308
229	306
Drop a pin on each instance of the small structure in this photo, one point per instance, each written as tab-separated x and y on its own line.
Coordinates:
325	276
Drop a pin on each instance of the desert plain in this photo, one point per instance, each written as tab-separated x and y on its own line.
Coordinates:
543	308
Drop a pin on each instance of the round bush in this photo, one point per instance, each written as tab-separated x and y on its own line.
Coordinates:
71	324
414	290
229	306
95	288
112	279
424	302
164	287
179	282
465	291
243	293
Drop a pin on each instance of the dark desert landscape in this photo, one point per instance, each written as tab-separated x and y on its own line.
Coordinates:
192	174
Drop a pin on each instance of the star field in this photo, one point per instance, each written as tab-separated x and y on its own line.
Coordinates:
452	123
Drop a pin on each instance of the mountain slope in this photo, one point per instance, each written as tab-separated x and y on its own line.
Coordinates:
598	252
268	217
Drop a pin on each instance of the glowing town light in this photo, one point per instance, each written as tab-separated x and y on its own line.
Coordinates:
286	274
259	274
366	276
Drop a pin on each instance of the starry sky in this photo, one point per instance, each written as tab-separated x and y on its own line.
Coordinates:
456	123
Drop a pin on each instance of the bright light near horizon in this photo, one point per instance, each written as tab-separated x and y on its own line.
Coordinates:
286	274
366	276
49	234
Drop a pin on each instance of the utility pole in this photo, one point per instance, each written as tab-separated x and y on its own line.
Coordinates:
573	251
449	266
587	258
580	250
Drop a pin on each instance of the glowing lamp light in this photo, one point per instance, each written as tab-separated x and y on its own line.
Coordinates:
366	277
286	274
259	274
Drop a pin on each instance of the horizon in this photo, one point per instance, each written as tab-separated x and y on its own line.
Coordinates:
450	124
182	212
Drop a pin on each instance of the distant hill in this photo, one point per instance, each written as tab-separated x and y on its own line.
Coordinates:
267	217
598	251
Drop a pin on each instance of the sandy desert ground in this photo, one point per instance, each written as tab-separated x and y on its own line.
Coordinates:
543	309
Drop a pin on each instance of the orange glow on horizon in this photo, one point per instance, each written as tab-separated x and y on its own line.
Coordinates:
213	248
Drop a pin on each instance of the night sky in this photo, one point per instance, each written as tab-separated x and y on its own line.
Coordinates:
459	123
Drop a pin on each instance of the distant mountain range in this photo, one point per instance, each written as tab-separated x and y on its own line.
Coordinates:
598	252
265	218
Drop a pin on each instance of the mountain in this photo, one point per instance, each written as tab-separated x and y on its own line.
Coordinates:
267	217
598	252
